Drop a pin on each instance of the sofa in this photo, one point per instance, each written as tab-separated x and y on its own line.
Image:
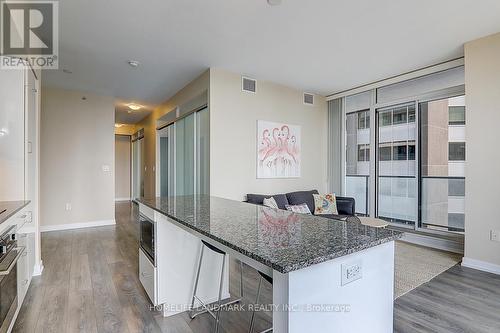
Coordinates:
345	205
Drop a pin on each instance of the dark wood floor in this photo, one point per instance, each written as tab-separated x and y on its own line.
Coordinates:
90	284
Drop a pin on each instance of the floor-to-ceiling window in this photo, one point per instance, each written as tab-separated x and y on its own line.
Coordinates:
396	165
405	151
358	158
442	164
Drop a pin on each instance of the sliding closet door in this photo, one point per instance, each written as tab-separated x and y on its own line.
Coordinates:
184	155
203	152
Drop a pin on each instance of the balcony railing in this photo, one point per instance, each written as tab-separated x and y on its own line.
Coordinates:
357	186
440	206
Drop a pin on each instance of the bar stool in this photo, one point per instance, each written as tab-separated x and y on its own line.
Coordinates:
205	308
252	321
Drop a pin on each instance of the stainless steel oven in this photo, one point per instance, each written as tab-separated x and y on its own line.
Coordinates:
147	237
9	255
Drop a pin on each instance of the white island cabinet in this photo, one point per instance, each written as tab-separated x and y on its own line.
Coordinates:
327	275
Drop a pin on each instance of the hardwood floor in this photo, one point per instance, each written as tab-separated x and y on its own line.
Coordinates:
90	284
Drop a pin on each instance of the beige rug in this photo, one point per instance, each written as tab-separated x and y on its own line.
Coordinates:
415	265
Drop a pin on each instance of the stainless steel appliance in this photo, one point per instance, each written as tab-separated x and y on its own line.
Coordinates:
9	255
147	239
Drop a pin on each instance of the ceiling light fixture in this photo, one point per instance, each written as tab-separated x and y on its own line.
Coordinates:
274	2
134	63
134	107
118	125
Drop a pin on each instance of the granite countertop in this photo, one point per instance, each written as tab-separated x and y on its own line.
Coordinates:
9	208
279	239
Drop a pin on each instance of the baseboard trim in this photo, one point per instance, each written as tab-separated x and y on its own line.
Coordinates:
433	242
81	225
481	265
38	269
122	199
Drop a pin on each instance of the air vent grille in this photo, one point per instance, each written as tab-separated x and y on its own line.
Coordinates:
248	85
308	99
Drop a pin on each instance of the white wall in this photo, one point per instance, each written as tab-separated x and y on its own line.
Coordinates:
12	141
122	167
233	131
77	140
482	90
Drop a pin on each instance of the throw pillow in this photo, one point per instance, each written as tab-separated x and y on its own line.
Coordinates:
270	202
301	209
325	204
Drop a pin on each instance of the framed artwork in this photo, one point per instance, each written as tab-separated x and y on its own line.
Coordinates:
278	150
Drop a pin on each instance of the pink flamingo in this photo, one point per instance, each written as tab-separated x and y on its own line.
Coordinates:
265	143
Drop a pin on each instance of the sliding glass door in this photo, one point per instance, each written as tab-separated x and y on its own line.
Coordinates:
396	164
184	155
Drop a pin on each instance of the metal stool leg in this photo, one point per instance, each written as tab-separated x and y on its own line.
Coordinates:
256	302
241	279
219	309
191	310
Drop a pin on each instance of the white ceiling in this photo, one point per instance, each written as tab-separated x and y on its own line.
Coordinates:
320	46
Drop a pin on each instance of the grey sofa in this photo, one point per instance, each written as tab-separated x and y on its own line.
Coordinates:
345	205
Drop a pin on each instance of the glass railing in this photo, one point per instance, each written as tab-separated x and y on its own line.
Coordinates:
357	187
442	202
397	200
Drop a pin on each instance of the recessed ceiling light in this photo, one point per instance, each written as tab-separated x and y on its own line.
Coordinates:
274	2
134	63
135	107
67	71
118	125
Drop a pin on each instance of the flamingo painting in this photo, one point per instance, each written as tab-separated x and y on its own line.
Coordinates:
278	150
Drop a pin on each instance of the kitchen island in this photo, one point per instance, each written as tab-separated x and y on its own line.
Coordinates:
328	275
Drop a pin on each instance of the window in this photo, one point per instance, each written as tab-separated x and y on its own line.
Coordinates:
364	119
411	151
385	118
399	116
456	115
400	152
363	153
411	114
385	153
456	151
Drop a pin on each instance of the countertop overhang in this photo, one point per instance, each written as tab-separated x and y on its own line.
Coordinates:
279	239
11	208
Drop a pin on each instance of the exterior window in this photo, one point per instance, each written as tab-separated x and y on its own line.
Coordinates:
363	153
385	153
385	118
456	151
411	151
400	152
364	119
411	114
456	115
399	116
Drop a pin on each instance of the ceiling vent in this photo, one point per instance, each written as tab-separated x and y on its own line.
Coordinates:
248	85
308	99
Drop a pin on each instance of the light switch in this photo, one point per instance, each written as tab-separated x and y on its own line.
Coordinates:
105	168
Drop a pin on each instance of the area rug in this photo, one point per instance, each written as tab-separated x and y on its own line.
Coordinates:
415	265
